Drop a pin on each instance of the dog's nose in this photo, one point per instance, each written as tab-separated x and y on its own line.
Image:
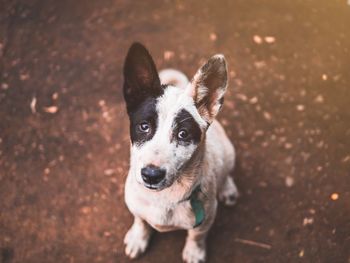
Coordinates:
152	174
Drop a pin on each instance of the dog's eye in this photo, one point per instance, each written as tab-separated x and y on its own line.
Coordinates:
182	134
144	127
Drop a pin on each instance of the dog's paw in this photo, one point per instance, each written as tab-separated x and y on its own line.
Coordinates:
193	253
229	192
136	242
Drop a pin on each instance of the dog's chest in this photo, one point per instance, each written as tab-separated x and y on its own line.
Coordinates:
170	218
161	214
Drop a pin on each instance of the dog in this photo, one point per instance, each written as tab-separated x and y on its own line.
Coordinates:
180	156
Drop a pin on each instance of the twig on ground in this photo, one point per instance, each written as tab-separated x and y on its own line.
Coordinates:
253	243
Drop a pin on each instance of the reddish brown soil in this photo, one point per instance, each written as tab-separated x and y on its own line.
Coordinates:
62	170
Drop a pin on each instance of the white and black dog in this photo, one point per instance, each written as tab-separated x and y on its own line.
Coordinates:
180	158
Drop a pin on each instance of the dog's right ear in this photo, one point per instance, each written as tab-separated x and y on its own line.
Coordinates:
141	79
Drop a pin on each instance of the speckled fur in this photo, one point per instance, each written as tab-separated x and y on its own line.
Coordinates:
209	164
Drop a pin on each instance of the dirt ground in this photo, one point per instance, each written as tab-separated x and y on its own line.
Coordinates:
64	131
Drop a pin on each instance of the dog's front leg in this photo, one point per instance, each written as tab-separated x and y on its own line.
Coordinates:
195	247
137	238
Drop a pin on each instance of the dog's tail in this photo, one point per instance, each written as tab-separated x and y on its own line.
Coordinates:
173	77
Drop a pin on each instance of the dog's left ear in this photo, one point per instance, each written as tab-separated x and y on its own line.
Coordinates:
208	87
141	79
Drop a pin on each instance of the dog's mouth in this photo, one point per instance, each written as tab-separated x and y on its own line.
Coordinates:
157	187
154	187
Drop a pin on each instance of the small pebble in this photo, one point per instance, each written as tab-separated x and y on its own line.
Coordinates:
232	74
241	96
267	115
308	221
33	105
319	99
259	133
288	145
270	39
335	196
108	172
24	76
253	100
346	159
101	103
168	54
55	96
289	181
301	253
259	64
85	210
257	39
51	109
4	86
300	107
213	36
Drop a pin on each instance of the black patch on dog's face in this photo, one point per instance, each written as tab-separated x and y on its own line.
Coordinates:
141	89
184	121
146	113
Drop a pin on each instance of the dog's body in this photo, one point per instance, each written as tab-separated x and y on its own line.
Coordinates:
181	157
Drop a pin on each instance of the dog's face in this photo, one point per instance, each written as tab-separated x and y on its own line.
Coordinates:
167	123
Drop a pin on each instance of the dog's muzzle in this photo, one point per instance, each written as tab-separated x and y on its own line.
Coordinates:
152	176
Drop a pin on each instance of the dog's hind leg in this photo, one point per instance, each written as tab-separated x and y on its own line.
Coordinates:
137	238
228	194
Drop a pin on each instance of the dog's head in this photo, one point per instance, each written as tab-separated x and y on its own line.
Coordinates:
167	123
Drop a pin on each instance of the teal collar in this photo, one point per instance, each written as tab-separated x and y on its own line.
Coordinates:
197	206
